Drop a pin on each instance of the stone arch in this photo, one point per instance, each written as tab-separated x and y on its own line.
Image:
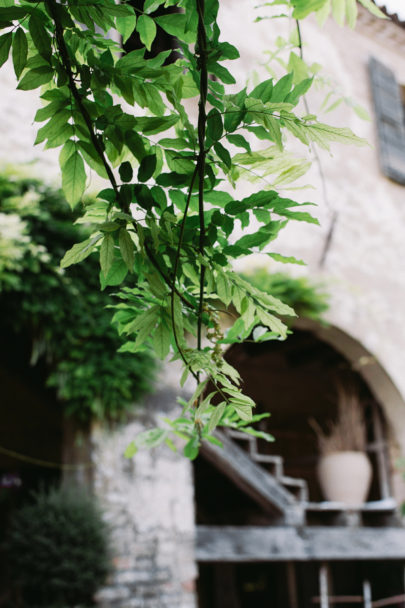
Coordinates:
381	385
339	349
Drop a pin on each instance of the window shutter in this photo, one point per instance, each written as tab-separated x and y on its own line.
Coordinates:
390	120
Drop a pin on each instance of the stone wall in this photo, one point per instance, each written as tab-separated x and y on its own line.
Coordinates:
148	505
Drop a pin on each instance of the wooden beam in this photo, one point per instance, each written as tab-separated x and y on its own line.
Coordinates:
250	477
275	544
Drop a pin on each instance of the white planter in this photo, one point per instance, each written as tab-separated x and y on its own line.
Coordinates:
345	477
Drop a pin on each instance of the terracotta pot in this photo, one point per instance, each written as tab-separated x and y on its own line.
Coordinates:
345	477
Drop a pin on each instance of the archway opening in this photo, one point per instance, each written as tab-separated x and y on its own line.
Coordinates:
295	381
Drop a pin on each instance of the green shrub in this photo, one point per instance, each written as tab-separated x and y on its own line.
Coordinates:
63	312
58	550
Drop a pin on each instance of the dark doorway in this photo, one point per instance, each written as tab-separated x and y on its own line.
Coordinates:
31	433
298	584
257	585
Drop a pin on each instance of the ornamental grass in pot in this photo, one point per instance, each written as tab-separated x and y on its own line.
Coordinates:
344	470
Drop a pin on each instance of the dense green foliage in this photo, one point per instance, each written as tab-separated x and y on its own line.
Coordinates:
63	311
57	550
171	215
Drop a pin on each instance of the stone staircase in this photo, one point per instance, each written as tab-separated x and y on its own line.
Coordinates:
382	511
298	488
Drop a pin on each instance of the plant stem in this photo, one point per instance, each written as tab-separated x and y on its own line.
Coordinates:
202	123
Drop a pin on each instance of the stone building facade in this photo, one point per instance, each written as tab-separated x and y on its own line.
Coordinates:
357	253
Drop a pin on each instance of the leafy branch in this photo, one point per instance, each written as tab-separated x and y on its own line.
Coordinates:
169	224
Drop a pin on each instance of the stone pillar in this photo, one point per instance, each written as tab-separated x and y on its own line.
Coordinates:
148	503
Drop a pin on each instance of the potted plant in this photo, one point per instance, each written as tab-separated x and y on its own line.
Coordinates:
344	469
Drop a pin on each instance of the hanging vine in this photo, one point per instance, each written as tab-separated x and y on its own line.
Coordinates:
167	215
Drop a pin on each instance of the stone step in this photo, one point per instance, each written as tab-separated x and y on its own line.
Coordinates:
297	486
276	462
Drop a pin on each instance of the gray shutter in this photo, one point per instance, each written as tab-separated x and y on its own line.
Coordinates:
390	120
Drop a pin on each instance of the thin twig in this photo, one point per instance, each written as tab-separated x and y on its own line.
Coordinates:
329	236
176	265
202	122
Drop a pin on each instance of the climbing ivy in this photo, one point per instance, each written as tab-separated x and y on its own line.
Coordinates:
170	214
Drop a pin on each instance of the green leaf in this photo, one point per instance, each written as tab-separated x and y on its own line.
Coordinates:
147	167
322	134
49	110
299	90
263	215
175	144
20	51
146	324
151	5
80	251
286	259
73	179
9	12
370	6
263	91
175	25
161	341
222	73
243	410
180	162
57	138
298	67
151	438
146	28
153	125
302	8
191	448
135	144
68	149
127	248
35	78
5	45
261	237
282	88
217	197
125	171
223	154
228	51
214	125
240	141
40	37
272	322
130	450
115	275
92	158
339	11
106	253
216	417
224	288
126	26
53	126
